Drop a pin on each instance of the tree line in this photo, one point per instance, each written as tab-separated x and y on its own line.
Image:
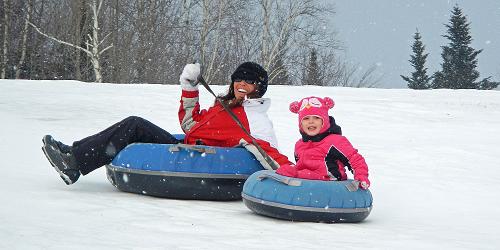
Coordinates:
149	41
459	60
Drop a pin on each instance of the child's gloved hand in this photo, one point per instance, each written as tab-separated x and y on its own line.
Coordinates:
287	170
189	77
364	183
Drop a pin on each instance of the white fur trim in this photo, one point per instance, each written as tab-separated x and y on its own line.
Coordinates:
260	125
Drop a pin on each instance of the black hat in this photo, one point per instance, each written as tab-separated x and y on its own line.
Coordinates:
252	71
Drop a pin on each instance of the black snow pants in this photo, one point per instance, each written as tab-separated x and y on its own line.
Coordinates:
98	150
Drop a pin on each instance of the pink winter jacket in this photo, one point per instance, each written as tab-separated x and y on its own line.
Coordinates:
317	160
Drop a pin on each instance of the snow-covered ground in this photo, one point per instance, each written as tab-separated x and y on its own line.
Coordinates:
433	158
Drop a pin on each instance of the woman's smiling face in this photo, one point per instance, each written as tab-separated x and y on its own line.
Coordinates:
242	89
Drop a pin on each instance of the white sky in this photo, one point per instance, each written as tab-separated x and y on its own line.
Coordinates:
381	32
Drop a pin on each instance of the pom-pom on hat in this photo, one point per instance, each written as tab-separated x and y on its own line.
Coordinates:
313	106
255	72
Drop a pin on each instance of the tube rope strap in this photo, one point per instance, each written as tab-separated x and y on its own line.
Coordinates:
283	179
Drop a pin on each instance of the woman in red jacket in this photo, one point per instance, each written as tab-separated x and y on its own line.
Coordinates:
212	127
323	153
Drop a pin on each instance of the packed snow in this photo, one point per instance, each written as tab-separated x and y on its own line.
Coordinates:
433	159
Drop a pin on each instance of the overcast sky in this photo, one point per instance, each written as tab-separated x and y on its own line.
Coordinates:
381	32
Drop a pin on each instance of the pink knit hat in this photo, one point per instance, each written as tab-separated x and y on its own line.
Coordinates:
313	106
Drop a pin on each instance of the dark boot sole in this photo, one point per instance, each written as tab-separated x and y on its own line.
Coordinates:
50	156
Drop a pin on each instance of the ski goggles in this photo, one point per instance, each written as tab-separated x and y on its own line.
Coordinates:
246	81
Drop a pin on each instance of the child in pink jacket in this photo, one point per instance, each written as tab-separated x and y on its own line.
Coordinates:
323	153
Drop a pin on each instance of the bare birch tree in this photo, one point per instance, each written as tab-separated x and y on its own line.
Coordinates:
223	40
6	24
79	26
266	27
29	7
151	40
289	29
92	43
211	33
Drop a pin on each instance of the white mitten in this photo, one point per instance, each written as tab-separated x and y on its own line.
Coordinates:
253	150
364	185
189	77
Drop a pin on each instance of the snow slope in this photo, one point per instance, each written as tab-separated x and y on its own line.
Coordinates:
381	33
432	157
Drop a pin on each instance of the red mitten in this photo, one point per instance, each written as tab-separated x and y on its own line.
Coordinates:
287	170
364	183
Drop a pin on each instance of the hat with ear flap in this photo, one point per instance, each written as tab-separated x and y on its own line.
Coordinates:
314	106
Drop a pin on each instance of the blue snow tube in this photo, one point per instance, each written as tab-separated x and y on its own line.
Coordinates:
270	194
182	171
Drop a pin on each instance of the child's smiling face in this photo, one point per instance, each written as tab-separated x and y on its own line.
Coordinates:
311	125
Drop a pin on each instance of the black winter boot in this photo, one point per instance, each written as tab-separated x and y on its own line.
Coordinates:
61	158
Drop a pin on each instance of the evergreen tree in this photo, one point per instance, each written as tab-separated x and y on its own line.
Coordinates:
487	84
419	78
459	59
313	72
279	73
